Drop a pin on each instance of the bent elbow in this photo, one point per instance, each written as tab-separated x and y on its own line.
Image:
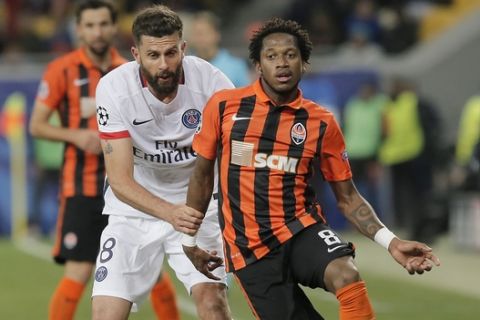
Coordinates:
118	189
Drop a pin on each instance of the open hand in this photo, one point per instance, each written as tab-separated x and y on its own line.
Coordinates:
414	256
204	261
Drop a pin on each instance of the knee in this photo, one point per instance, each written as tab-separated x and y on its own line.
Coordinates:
211	301
79	271
340	273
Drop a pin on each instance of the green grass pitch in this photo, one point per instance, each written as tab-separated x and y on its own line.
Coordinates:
26	283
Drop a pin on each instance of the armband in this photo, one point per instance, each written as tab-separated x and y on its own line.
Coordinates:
383	237
189	241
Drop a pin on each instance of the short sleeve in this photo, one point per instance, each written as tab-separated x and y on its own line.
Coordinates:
207	135
334	159
110	122
53	86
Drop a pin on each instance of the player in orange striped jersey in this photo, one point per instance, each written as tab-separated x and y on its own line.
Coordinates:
268	139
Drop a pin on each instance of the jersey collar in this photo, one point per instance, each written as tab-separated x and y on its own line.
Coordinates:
117	59
263	97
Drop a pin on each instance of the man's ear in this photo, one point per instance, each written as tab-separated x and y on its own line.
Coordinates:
183	47
135	53
258	68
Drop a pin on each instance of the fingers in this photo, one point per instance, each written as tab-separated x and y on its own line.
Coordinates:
415	257
214	263
211	276
186	219
433	258
193	213
204	261
211	264
418	265
187	226
189	231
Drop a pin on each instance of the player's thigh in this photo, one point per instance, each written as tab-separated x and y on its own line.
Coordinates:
81	224
312	251
130	258
271	291
110	308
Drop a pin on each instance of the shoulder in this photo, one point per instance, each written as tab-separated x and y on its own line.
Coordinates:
198	68
317	110
319	114
194	64
201	76
69	60
122	79
233	94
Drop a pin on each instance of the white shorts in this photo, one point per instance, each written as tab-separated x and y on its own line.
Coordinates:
132	251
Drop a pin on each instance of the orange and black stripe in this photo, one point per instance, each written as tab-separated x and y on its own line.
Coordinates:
264	172
71	78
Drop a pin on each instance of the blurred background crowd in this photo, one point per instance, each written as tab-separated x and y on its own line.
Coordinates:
401	76
384	26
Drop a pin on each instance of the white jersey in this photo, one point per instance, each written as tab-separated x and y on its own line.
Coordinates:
161	133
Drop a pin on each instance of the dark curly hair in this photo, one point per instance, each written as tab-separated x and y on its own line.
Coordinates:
156	21
278	25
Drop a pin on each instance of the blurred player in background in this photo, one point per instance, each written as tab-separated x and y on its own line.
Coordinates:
204	40
68	86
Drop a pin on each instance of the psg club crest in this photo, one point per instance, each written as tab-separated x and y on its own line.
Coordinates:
191	118
298	133
101	274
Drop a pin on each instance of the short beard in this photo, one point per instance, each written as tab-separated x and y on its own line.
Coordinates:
163	89
100	53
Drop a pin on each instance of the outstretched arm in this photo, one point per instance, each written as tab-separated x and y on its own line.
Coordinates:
119	165
198	197
414	256
200	187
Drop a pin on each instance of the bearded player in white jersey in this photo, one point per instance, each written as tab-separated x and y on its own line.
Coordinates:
147	112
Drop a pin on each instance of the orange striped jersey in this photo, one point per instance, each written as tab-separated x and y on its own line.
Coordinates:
266	155
65	82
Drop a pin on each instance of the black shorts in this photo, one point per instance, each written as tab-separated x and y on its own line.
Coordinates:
79	227
271	283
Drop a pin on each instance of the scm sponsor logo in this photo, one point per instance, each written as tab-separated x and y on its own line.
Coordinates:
277	162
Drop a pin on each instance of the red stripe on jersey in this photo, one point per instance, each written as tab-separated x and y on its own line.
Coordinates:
114	135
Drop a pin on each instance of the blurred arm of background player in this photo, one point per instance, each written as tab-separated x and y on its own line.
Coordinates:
85	139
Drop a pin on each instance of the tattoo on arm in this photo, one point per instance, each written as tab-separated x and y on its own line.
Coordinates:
108	147
365	219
